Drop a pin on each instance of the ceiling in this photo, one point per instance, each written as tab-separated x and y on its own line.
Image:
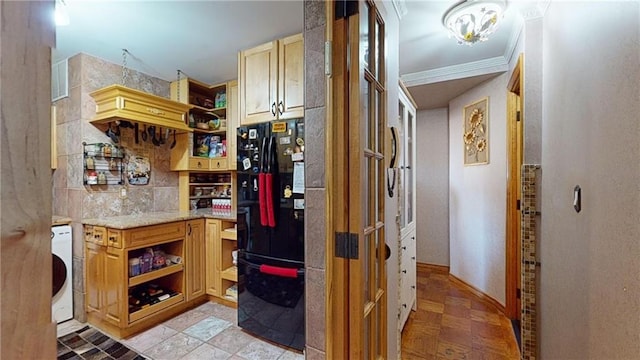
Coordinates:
202	39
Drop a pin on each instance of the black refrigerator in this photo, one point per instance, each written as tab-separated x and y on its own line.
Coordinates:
270	215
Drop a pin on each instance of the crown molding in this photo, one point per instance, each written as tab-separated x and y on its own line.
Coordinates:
455	72
400	6
534	9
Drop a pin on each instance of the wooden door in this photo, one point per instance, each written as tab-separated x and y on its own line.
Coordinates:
291	77
115	292
94	278
515	121
212	251
359	97
258	83
195	260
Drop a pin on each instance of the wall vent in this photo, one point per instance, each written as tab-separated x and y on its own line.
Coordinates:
60	80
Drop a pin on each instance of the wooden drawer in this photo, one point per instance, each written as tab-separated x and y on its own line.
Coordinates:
154	234
202	163
196	163
98	235
114	238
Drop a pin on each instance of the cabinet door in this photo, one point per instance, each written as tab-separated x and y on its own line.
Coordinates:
116	303
258	83
233	115
94	278
291	77
195	260
212	239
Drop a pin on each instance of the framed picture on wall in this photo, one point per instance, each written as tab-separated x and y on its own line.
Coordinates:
475	137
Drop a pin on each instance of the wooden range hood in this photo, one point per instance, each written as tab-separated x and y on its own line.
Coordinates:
117	102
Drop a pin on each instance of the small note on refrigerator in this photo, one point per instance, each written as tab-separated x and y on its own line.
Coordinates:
298	178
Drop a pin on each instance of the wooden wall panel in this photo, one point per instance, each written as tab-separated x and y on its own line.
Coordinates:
26	37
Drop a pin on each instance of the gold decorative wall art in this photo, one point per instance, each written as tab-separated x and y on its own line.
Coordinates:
475	138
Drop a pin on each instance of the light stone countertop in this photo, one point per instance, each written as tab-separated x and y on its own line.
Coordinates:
154	218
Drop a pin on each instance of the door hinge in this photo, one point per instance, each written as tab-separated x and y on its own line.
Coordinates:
346	245
327	58
518	293
518	204
518	115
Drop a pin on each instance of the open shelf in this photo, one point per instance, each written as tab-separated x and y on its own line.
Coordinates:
230	273
155	274
153	309
229	234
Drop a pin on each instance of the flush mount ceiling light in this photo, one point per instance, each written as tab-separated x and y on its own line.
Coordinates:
473	20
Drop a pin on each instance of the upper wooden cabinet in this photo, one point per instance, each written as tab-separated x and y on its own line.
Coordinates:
271	81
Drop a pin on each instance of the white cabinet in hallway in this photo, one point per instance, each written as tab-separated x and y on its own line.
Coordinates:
407	200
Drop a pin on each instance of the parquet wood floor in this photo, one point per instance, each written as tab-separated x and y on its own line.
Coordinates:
453	323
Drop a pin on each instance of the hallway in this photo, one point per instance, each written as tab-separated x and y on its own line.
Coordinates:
453	323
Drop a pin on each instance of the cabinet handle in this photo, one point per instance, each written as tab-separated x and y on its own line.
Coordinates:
218	164
408	167
413	258
413	238
404	306
112	239
189	226
404	271
273	109
413	286
280	107
199	165
404	248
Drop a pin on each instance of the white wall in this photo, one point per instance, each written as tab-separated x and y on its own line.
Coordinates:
392	44
590	273
477	196
432	186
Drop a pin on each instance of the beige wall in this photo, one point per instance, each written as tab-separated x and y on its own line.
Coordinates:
477	196
74	199
590	273
432	186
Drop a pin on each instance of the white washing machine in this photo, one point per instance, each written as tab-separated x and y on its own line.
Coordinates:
61	247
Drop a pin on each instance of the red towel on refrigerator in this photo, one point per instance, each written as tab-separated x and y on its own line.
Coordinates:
262	199
279	271
271	216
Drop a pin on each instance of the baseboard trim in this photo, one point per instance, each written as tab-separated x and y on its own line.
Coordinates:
434	267
479	293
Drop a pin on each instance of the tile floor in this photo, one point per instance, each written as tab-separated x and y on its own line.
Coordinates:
208	331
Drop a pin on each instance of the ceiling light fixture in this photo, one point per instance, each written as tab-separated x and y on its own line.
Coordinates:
472	21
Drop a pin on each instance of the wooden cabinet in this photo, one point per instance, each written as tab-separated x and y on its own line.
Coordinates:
210	146
225	265
271	81
212	276
123	298
195	264
407	200
222	273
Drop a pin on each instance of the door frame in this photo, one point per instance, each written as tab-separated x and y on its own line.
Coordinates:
340	299
515	137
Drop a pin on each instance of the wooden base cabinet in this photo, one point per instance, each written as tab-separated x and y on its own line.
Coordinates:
195	271
222	273
121	299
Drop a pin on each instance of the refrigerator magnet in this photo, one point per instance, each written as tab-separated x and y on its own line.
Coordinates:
299	156
285	140
253	134
298	204
246	163
287	192
278	127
